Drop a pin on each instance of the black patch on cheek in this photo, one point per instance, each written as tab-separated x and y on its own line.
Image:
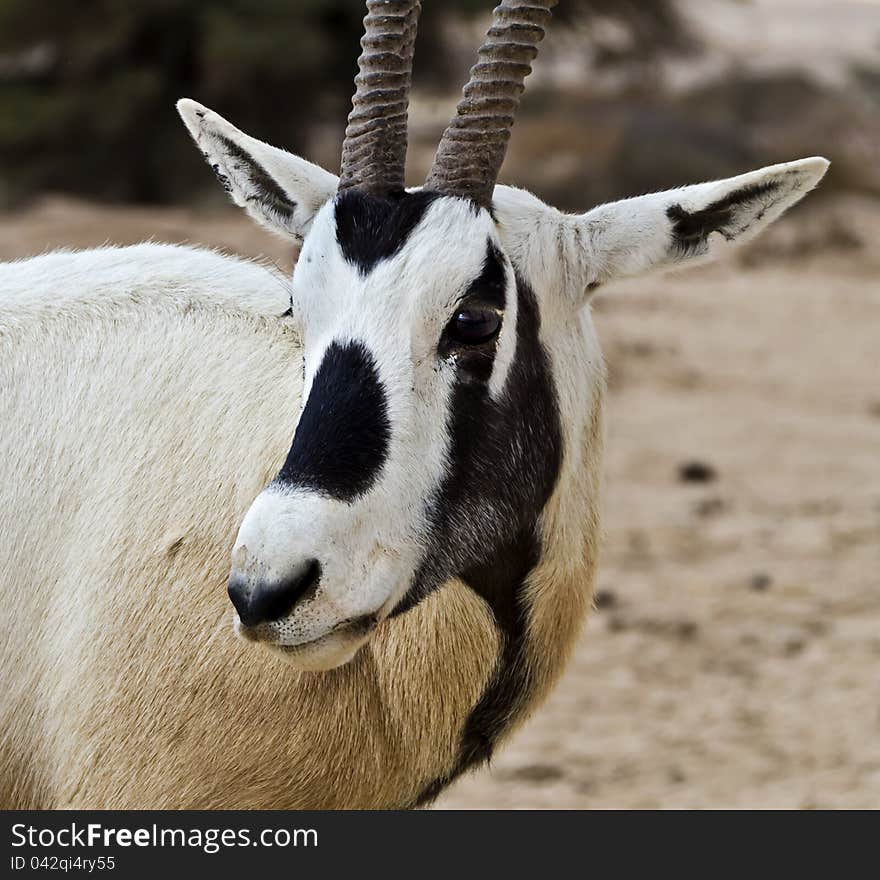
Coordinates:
341	441
370	229
691	229
266	189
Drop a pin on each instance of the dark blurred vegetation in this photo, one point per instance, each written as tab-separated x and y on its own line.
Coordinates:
87	87
87	92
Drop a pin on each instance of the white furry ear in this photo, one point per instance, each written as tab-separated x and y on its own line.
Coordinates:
279	190
669	228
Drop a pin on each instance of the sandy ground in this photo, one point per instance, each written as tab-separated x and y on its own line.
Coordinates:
733	658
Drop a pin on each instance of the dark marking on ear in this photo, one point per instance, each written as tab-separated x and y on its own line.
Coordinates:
370	229
341	440
265	188
504	461
215	167
691	229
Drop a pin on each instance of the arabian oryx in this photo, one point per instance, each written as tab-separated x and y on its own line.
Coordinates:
390	461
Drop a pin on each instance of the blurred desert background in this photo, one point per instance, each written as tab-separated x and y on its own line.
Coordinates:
733	657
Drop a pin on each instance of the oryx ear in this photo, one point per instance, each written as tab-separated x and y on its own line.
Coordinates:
279	190
676	227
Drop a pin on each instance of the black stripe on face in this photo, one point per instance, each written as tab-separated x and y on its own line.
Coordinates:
504	461
341	440
370	229
691	229
488	288
486	291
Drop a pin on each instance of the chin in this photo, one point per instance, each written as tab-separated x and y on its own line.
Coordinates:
328	652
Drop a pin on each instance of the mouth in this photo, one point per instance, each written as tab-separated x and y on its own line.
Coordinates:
353	628
330	649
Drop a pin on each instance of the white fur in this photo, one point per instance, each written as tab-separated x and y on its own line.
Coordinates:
106	278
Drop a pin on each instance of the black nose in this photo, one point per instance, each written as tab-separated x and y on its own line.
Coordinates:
272	601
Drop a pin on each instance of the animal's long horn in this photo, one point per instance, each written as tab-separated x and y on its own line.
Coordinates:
473	146
374	151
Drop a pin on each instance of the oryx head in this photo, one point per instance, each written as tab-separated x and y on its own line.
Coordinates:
450	366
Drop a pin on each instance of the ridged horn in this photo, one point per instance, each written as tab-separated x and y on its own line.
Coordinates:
473	146
374	150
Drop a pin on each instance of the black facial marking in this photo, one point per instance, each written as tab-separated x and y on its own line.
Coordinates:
487	291
691	229
504	461
488	288
504	458
370	229
265	188
341	441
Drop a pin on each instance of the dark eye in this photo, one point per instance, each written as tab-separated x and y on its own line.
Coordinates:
474	326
